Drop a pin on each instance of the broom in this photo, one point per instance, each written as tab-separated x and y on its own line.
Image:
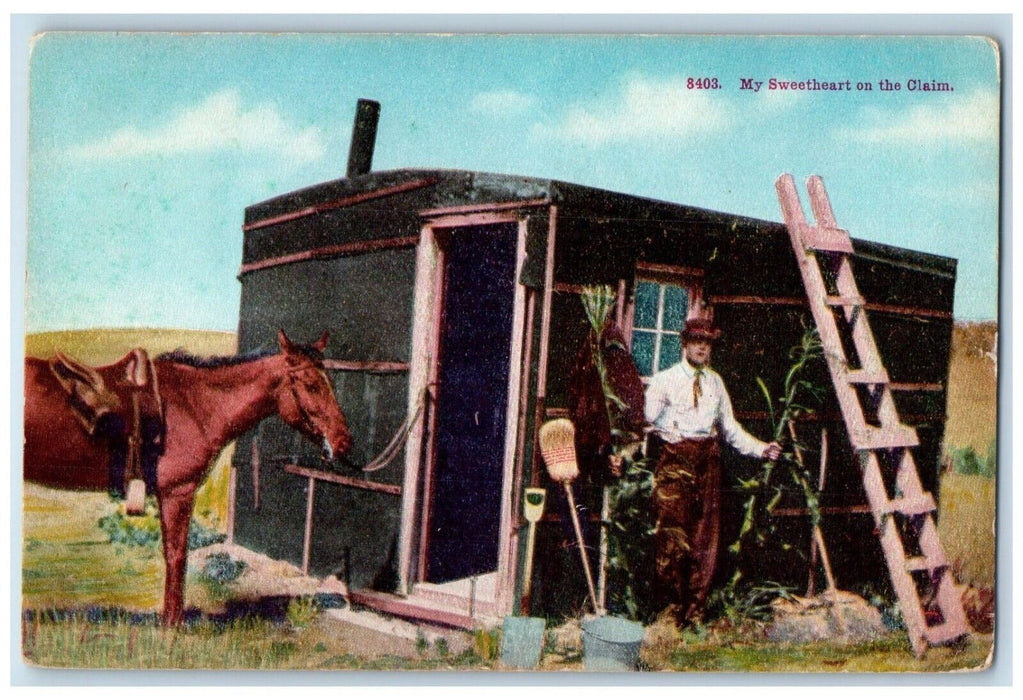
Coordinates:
557	444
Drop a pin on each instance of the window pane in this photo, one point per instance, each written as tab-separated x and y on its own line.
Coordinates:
671	350
676	307
646	305
643	351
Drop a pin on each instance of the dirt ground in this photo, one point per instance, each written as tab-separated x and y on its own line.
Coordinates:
373	634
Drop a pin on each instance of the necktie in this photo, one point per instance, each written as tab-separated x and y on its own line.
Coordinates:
697	389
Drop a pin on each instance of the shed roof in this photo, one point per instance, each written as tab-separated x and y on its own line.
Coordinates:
397	197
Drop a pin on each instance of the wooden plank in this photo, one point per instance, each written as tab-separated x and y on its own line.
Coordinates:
307	538
319	475
860	376
331	251
381	367
337	204
845	301
827	510
487	207
409	609
545	339
747	300
916	386
888	309
913	505
423	330
887	437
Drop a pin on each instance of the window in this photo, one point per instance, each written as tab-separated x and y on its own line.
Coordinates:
661	305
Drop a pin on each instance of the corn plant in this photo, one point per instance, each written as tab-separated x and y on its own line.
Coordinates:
799	397
598	302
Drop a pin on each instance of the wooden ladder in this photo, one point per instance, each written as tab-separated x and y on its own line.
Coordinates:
920	573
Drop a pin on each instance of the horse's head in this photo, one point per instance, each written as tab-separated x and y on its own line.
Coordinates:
306	400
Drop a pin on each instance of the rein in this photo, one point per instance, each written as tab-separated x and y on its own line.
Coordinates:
398	441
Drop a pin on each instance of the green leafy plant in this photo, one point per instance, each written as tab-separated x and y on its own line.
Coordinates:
221	568
630	527
598	302
966	460
487	643
799	398
302	611
764	495
144	530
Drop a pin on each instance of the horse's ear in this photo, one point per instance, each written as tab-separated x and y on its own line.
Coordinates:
321	344
282	339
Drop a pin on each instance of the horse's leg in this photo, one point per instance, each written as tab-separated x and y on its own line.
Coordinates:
175	515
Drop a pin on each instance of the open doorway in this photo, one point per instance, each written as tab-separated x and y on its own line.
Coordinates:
474	364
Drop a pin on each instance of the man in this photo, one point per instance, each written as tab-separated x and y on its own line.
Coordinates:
689	408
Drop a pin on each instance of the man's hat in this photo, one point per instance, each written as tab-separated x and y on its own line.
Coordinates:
700	329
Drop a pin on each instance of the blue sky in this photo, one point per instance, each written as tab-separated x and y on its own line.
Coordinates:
144	149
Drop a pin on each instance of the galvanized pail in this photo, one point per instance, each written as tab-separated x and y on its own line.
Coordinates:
522	641
611	644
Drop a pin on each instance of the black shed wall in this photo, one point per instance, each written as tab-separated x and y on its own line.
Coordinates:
365	302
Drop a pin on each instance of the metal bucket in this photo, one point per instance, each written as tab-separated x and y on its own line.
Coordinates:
522	641
611	644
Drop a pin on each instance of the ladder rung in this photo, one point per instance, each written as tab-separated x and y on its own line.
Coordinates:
844	301
945	632
914	505
862	376
884	438
830	240
922	563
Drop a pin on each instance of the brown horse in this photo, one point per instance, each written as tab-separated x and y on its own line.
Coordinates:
206	403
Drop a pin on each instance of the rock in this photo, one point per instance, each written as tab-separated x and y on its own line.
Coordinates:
979	606
568	637
841	617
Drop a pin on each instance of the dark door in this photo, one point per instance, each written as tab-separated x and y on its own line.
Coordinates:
475	352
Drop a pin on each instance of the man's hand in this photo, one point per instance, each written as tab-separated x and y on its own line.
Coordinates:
772	452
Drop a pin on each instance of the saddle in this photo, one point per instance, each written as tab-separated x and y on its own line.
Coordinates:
120	405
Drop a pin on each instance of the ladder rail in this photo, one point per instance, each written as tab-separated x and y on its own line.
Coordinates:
828	245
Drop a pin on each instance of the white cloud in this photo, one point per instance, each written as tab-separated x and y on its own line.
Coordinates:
502	102
947	119
218	123
644	108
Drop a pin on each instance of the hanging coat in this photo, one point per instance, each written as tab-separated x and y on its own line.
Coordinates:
586	402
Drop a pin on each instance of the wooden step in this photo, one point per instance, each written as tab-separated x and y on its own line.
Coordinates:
912	505
844	301
826	239
945	633
871	438
863	376
926	563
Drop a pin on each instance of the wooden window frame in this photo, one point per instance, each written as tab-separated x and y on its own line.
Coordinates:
689	278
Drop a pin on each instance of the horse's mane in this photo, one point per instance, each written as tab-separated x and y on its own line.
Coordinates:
183	357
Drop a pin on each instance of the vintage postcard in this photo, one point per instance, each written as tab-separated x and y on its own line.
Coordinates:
535	352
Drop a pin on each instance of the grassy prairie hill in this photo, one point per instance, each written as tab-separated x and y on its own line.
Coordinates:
972	388
98	346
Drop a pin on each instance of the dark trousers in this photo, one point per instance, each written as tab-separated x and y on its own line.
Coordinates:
687	498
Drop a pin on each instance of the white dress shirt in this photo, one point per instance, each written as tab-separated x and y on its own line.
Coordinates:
669	407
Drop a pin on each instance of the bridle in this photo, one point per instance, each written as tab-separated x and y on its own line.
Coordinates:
305	418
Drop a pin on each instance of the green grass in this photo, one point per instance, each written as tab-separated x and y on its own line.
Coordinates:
118	643
886	655
251	644
69	564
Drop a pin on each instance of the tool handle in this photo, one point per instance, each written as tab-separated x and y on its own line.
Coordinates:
582	547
